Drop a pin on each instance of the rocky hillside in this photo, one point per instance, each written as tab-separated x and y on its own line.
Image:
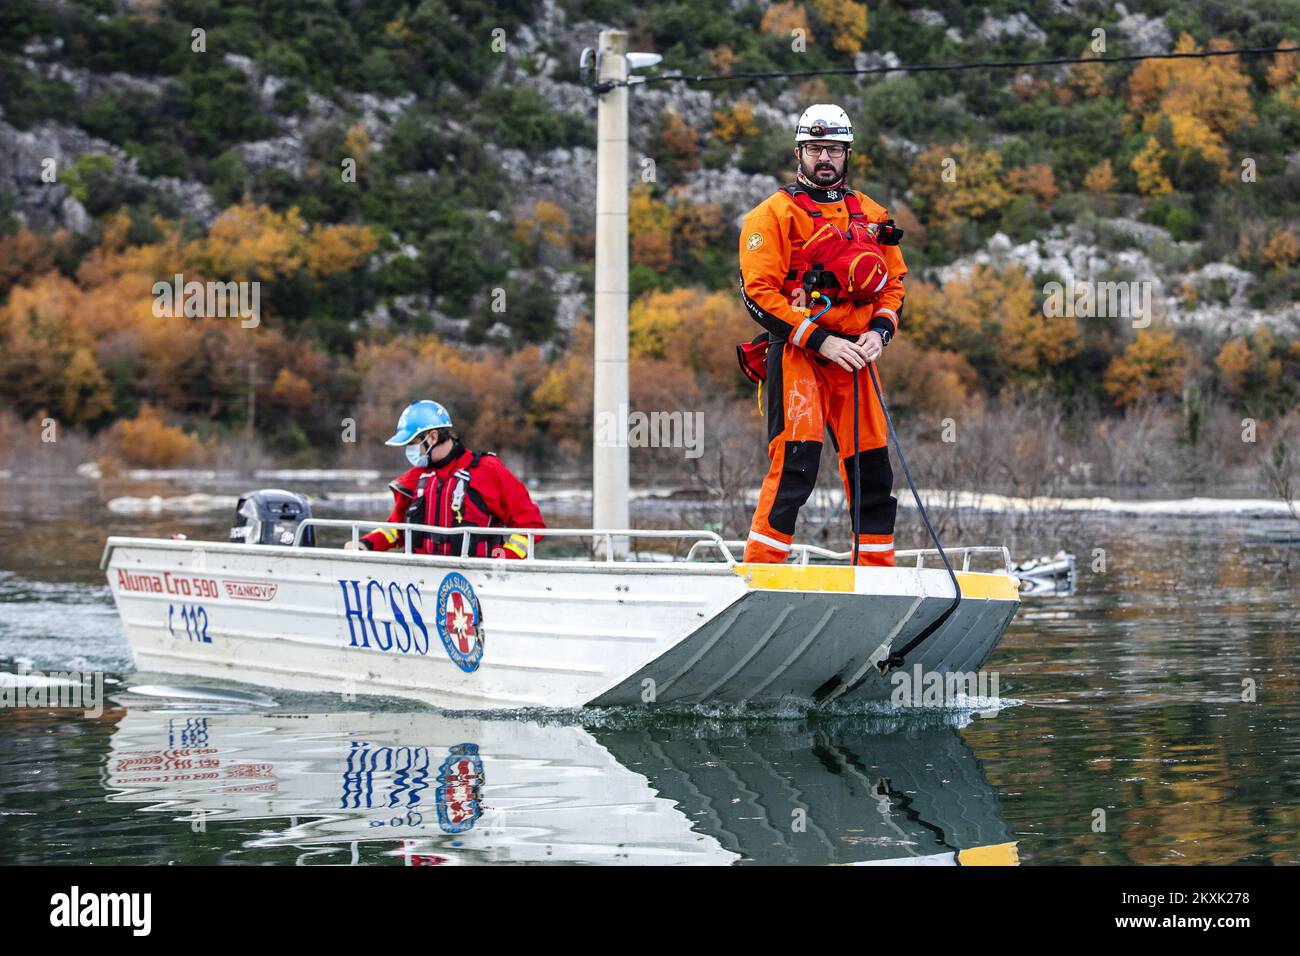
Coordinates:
457	137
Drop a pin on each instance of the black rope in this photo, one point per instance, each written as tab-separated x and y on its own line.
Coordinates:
896	659
857	473
938	67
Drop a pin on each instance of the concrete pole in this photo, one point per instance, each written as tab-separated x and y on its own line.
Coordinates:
609	507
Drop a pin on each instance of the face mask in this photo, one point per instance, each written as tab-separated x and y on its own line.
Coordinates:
414	456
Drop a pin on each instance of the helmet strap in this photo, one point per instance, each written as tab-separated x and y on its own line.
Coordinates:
456	450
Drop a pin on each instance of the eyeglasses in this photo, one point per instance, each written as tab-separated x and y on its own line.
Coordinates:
815	150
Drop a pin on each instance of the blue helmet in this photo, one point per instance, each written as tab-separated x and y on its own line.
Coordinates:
418	418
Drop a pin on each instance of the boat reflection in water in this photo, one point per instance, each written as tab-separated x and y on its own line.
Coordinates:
429	788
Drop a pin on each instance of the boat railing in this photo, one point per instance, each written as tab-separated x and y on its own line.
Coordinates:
701	540
802	552
608	535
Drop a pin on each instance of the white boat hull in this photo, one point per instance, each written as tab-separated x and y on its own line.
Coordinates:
468	634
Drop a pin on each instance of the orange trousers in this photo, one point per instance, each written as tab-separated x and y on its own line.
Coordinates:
804	395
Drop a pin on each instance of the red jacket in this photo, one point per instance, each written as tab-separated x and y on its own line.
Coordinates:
489	495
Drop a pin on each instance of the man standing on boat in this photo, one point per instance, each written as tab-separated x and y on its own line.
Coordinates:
449	486
812	352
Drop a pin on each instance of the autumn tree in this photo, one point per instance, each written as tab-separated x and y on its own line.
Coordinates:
147	441
91	347
926	318
929	382
650	224
1100	180
1089	80
1035	180
846	21
1214	90
1261	369
561	401
733	124
547	227
1153	364
1282	249
698	229
1283	68
723	58
679	148
907	220
1193	105
1148	165
248	242
694	327
356	146
24	255
782	19
1234	364
960	181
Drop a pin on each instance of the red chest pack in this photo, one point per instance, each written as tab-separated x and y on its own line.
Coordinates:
846	264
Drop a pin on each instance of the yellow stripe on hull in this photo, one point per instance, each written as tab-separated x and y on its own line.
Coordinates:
990	587
1000	854
813	577
796	577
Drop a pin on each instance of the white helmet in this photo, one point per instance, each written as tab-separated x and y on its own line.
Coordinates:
824	121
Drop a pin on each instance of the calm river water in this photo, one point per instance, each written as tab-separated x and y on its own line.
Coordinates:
1130	737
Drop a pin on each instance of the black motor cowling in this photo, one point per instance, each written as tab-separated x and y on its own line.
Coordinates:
271	516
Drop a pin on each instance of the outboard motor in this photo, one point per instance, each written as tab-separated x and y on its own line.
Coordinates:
271	516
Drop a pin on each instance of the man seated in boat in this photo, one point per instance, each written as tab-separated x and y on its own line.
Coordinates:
448	485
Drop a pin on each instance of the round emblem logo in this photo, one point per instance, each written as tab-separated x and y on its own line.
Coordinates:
460	789
460	622
755	240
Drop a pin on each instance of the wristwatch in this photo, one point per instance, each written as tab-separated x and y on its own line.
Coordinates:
885	336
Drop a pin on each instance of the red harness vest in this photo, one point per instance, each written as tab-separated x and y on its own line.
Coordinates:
450	503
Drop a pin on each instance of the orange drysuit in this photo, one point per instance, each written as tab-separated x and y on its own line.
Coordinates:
806	392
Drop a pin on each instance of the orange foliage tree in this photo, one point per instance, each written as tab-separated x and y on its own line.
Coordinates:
697	228
1234	364
1214	90
24	255
680	146
1200	102
650	224
960	181
736	123
561	402
695	328
1036	180
74	344
1284	67
1090	80
1155	363
147	441
847	22
1282	249
1100	180
928	382
548	225
488	391
782	19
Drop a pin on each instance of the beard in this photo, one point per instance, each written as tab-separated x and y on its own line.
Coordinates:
822	172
